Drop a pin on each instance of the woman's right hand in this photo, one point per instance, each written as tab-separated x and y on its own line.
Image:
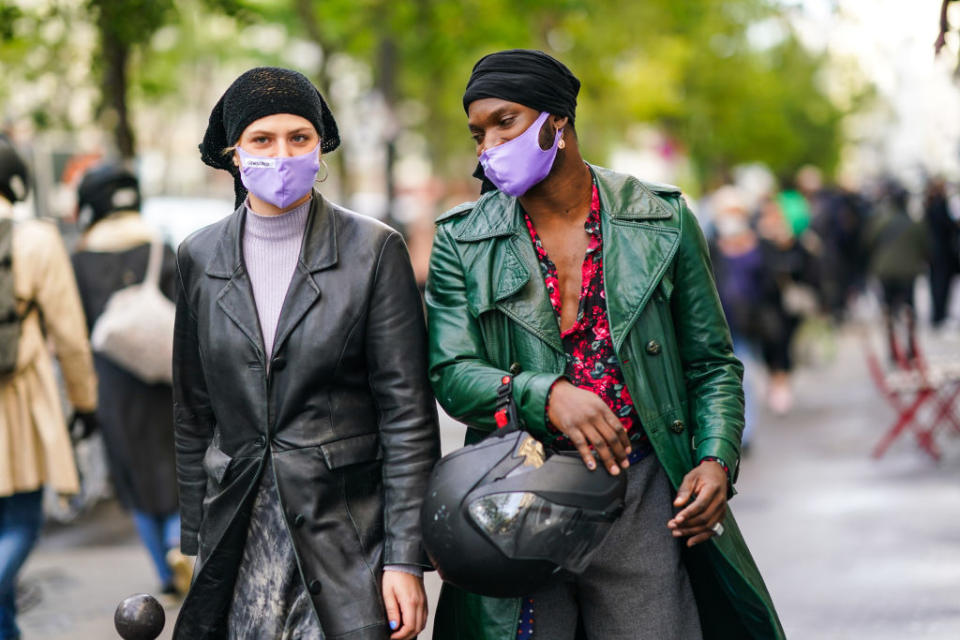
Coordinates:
586	420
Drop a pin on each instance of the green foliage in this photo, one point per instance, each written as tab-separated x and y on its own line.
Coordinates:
687	66
8	14
130	22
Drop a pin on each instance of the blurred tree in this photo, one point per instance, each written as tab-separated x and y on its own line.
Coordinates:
49	48
123	25
727	79
688	65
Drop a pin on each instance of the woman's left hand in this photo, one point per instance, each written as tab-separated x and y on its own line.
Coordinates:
406	603
706	485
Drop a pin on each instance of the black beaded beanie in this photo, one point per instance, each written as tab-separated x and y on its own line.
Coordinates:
257	93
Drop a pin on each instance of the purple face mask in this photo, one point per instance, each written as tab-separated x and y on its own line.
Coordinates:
279	181
518	164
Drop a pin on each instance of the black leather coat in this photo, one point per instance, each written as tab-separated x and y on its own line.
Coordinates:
344	410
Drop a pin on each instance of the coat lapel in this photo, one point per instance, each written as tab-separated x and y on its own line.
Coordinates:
523	297
636	250
236	297
635	257
517	284
318	252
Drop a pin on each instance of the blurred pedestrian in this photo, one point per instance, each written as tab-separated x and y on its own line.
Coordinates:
746	287
136	417
944	240
305	427
795	209
839	224
792	266
899	252
38	302
518	287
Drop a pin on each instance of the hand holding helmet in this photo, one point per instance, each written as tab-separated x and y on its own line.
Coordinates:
587	421
502	517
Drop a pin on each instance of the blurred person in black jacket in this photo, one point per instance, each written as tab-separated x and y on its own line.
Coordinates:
136	417
944	234
899	252
839	225
792	265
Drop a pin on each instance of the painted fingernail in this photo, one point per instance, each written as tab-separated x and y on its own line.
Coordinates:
591	465
625	464
393	625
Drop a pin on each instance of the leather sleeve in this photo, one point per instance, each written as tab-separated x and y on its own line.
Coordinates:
713	375
396	352
464	381
193	416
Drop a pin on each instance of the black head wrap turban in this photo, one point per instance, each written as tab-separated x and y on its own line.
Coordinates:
528	77
258	93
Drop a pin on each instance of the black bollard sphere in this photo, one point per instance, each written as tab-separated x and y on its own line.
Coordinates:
139	617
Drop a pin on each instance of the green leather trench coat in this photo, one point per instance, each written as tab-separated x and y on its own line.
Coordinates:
489	314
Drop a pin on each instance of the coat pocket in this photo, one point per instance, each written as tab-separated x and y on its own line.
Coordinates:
352	450
216	463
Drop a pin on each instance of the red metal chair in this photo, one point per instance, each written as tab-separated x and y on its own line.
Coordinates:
911	387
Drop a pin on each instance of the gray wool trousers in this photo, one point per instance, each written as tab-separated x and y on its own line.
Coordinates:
636	587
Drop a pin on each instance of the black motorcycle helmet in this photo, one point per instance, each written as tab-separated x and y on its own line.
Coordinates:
501	517
104	190
14	178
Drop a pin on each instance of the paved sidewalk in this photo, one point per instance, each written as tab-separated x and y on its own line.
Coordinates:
851	548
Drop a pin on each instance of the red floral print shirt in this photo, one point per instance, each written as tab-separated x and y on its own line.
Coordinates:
592	363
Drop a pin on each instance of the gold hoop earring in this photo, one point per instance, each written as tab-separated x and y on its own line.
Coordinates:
326	171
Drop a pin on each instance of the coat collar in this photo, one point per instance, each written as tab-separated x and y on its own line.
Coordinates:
318	251
622	197
636	255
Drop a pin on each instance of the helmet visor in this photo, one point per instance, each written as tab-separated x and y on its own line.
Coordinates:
525	526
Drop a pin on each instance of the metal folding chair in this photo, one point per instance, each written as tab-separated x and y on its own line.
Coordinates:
910	388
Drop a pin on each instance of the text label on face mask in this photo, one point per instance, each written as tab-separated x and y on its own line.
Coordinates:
265	163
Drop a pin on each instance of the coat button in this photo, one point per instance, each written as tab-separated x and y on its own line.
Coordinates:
677	426
261	441
653	348
298	520
279	363
314	587
515	368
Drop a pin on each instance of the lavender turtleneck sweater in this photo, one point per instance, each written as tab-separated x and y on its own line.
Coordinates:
271	248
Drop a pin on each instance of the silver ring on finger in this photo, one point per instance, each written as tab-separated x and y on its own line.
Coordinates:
717	529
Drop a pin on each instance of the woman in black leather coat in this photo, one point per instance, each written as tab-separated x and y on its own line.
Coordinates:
305	428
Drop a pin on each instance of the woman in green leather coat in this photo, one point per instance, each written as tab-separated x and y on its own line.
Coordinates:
491	313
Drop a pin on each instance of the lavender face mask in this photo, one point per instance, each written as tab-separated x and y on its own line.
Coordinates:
279	181
517	165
